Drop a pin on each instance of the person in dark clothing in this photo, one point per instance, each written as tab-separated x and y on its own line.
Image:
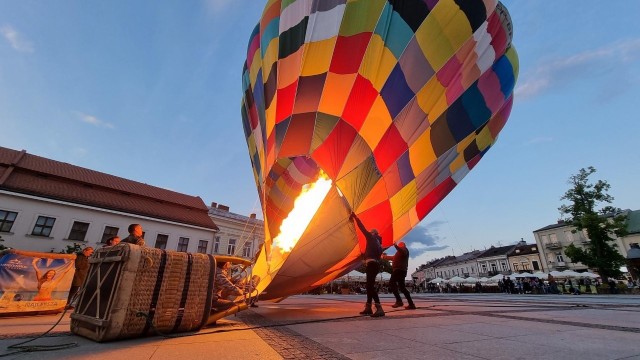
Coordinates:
82	268
399	264
372	254
135	235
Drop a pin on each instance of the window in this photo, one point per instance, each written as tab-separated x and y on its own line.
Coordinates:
494	267
78	231
216	245
535	265
43	226
246	250
543	239
231	248
161	241
202	246
109	231
559	257
515	266
183	244
7	218
553	238
504	266
484	268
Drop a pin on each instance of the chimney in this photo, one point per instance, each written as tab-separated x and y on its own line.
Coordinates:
252	216
560	221
214	205
223	207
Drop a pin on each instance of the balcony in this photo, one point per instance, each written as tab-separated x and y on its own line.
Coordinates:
553	245
559	265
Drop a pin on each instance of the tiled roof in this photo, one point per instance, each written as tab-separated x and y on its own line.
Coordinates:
496	251
525	249
24	173
633	222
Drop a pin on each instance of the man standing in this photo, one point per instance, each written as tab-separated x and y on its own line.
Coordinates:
82	268
372	263
135	235
399	264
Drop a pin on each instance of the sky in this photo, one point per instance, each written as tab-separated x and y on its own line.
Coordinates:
151	92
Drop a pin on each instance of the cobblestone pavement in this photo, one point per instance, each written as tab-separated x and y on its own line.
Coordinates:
288	343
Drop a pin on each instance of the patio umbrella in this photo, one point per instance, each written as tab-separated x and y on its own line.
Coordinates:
540	275
437	280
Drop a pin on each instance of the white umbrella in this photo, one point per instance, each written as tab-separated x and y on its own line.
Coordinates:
556	274
484	279
456	279
589	275
540	275
471	280
571	274
524	275
437	280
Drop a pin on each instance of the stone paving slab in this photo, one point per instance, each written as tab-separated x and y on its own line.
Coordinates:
460	326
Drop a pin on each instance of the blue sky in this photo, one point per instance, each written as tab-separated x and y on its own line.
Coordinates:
151	92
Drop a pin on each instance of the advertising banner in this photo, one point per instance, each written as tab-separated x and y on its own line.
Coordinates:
34	282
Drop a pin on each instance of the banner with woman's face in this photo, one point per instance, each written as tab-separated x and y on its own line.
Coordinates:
34	282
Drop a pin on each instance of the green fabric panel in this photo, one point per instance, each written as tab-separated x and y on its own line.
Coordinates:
361	16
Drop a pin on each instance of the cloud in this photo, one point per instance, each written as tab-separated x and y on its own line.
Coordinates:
217	7
584	65
539	140
17	41
423	238
90	119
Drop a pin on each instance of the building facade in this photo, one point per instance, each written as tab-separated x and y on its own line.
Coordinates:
463	266
553	239
47	205
494	261
524	258
239	235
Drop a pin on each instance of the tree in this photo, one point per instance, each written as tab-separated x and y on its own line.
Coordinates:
601	225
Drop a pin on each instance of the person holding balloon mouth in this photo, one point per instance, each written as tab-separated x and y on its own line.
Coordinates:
372	254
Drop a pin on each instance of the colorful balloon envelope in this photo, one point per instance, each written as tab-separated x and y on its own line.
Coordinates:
378	107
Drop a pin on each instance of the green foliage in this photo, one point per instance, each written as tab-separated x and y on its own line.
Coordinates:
72	249
385	266
601	225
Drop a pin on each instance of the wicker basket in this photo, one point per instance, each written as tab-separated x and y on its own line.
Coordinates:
134	291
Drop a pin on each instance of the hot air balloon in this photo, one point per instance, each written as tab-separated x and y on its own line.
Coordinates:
379	107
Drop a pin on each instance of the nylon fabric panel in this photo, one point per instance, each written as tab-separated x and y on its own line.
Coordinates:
357	184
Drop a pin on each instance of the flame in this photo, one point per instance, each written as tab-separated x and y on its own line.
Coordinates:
304	208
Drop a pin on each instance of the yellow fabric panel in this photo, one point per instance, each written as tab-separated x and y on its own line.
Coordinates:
512	55
255	68
484	139
318	57
429	95
377	122
401	226
441	105
270	56
414	220
270	115
421	153
377	63
357	154
252	146
442	33
457	163
289	68
336	91
457	29
403	200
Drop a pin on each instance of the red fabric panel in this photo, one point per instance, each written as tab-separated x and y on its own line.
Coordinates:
297	141
374	217
333	151
286	97
389	149
348	53
362	97
497	122
426	204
